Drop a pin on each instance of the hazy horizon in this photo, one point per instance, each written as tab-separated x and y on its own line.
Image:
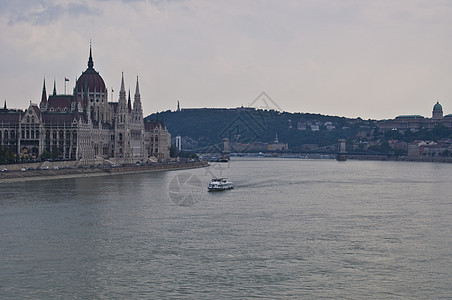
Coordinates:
367	59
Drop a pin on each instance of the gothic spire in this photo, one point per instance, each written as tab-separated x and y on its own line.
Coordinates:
137	100
122	94
90	59
4	107
54	87
122	83
44	93
129	103
137	89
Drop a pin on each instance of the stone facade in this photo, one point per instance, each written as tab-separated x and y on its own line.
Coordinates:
85	126
416	122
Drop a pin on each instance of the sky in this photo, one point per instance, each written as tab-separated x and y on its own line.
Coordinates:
352	58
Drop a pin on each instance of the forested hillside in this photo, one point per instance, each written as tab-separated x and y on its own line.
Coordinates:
204	127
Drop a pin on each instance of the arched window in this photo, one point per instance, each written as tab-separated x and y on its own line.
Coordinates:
120	136
37	134
28	134
32	134
23	134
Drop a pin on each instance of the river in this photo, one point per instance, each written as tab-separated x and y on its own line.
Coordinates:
291	228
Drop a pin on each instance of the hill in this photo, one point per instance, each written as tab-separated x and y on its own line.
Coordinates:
201	128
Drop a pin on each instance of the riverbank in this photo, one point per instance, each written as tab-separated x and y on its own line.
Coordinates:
436	159
34	175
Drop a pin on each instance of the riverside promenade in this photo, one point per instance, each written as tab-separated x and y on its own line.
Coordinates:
66	172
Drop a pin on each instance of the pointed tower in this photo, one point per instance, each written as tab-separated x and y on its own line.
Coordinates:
43	104
137	102
137	127
91	88
129	103
4	106
122	133
54	87
122	102
90	59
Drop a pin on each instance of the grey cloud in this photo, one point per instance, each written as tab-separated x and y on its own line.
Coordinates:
41	12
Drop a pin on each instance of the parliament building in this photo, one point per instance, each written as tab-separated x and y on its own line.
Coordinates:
85	126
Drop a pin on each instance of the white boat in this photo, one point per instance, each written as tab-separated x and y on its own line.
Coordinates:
220	184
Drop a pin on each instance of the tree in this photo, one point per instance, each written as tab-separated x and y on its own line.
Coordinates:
45	155
7	156
384	147
56	153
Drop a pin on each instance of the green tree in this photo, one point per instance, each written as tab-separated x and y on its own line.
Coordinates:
45	155
7	156
56	153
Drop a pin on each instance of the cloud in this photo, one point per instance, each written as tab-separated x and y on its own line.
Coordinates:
42	12
335	57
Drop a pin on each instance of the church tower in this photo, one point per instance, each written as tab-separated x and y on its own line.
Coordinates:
137	109
137	127
43	104
122	134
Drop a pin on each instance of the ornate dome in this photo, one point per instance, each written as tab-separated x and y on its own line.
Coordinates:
90	79
437	107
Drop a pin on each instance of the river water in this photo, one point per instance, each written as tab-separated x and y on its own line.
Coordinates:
291	228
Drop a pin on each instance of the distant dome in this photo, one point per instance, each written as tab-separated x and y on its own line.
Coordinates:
90	79
437	107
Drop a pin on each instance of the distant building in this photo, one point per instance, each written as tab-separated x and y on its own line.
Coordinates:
301	125
309	147
416	122
329	126
84	125
289	123
277	145
414	149
315	127
430	148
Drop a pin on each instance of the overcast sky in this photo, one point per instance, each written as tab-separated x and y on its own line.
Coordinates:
353	58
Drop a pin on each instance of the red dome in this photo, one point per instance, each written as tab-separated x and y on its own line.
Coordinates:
90	80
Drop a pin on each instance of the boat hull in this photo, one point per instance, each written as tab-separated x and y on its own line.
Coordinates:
219	189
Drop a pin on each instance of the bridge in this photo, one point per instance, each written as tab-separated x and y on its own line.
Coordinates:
333	149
